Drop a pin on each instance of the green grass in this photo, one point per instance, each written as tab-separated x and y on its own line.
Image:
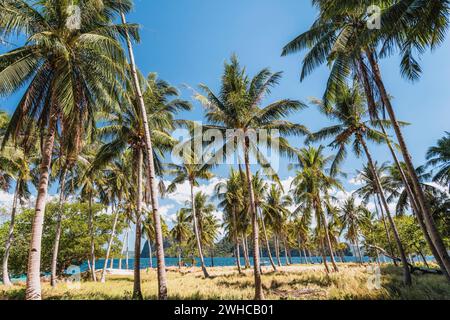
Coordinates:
295	282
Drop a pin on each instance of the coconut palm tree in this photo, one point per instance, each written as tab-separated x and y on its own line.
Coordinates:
162	285
69	70
311	187
191	171
181	231
349	111
238	108
340	36
16	163
230	195
275	212
352	217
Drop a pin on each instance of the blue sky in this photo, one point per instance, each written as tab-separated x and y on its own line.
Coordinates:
187	42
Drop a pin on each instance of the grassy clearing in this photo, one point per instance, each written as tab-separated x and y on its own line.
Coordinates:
294	282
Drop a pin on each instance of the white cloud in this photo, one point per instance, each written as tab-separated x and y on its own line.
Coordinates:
183	191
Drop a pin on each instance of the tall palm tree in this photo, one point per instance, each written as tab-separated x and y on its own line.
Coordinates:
274	210
369	190
162	285
340	37
349	111
260	187
353	217
125	129
310	186
68	72
238	108
16	162
181	231
191	171
230	195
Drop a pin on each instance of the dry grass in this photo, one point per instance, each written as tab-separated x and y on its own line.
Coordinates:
294	282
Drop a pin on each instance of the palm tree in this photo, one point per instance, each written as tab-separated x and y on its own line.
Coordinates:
369	190
237	108
352	218
190	170
260	187
16	164
230	195
439	157
353	129
117	189
181	231
274	210
162	285
68	72
340	37
309	185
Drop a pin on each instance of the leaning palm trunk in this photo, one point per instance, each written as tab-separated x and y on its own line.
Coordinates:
197	235
267	245
286	254
33	288
150	253
137	293
108	250
269	253
236	240
91	232
409	189
58	228
415	207
427	217
259	294
327	239
324	257
162	282
386	228
9	240
406	271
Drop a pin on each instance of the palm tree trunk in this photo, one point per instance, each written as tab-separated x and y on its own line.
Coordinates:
245	251
286	255
259	294
358	250
91	233
238	257
427	216
327	237
33	287
6	281
267	244
162	281
137	292
197	235
108	250
415	207
58	228
406	271
324	257
277	249
388	235
179	257
236	239
408	186
150	253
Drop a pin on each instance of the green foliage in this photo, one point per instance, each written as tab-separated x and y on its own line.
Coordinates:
75	240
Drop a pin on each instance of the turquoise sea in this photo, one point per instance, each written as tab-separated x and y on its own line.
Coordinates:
216	261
